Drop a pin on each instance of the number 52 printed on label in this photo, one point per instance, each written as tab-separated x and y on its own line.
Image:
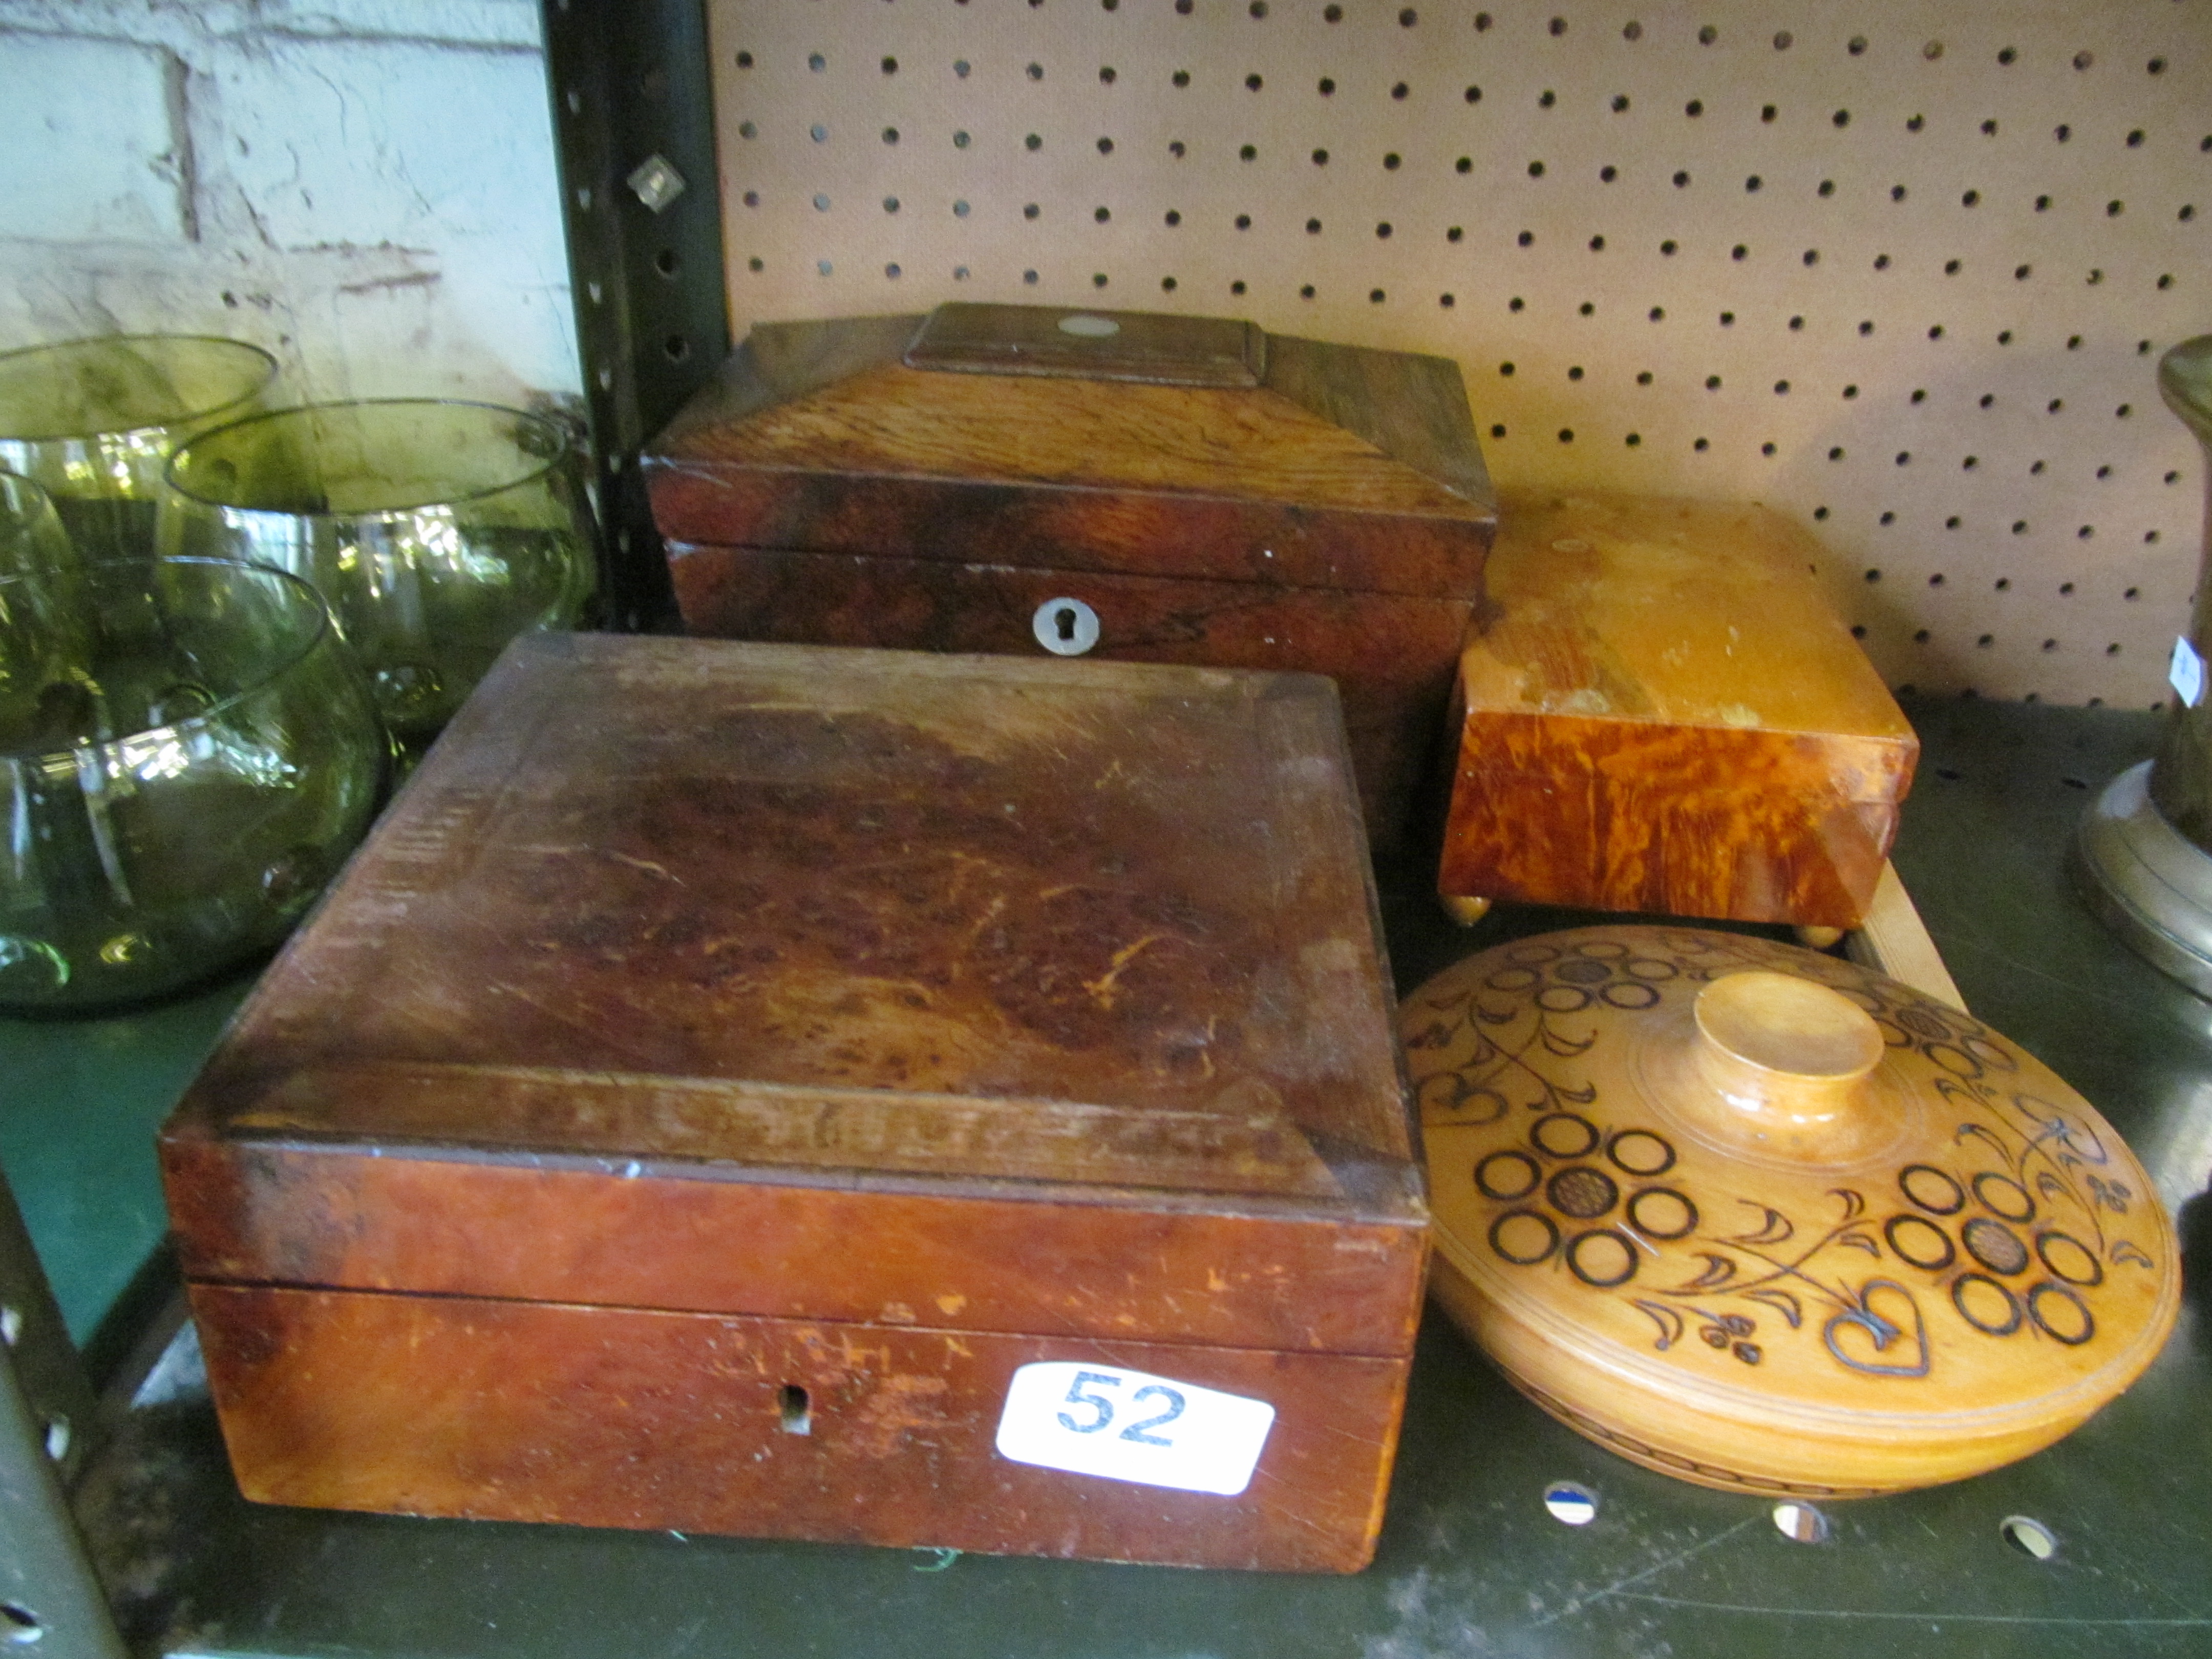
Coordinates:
1127	1425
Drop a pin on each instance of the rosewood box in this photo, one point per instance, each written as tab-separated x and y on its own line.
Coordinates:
1043	483
830	1094
1661	712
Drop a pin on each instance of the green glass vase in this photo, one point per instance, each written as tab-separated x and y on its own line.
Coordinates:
31	539
437	531
93	423
187	754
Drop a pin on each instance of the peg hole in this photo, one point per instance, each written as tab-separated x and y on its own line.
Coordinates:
19	1625
2029	1536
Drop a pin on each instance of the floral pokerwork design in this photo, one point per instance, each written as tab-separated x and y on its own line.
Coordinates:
2009	1234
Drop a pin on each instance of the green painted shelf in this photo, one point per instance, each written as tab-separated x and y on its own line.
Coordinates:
1471	1563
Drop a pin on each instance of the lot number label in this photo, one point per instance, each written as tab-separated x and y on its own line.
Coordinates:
1122	1424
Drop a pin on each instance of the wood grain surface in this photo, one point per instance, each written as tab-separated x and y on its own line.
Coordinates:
1334	480
1335	430
1391	654
1041	1002
1153	347
642	1418
381	1213
1660	713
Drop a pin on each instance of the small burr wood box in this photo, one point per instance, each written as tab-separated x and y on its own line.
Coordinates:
835	1094
1142	488
1660	712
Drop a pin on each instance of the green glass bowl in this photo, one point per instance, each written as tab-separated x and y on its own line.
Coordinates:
31	539
437	531
93	423
187	754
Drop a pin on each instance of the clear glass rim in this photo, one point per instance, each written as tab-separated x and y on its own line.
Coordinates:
324	629
562	447
61	350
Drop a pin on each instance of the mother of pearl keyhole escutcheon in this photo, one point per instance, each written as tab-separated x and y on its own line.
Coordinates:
1785	1063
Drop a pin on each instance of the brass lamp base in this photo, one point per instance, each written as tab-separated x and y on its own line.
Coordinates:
2147	881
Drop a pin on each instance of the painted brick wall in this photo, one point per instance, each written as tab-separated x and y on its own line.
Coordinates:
366	187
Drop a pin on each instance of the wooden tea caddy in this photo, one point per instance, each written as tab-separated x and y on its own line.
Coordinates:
1769	1221
1660	712
729	1070
1040	482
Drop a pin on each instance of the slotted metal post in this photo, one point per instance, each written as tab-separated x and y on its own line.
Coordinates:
50	1601
633	120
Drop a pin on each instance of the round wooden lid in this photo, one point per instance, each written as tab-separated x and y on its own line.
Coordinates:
1762	1219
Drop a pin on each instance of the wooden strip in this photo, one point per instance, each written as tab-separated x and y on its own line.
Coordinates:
1244	1143
1893	941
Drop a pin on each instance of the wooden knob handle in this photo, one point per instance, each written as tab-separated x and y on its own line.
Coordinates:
1785	1061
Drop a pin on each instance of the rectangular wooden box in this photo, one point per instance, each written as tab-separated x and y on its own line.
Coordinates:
725	1065
1661	713
1213	493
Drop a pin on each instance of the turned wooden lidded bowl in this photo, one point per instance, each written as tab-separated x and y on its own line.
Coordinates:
1767	1221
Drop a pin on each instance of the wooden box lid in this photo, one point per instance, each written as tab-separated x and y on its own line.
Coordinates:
1771	1221
844	984
1103	441
1617	624
1660	712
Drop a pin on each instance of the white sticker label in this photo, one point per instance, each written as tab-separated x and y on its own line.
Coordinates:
2186	676
1125	1426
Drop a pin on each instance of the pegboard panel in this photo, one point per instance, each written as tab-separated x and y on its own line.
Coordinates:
1902	273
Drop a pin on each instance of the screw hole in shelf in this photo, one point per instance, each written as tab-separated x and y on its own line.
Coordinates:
1570	1504
1801	1522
